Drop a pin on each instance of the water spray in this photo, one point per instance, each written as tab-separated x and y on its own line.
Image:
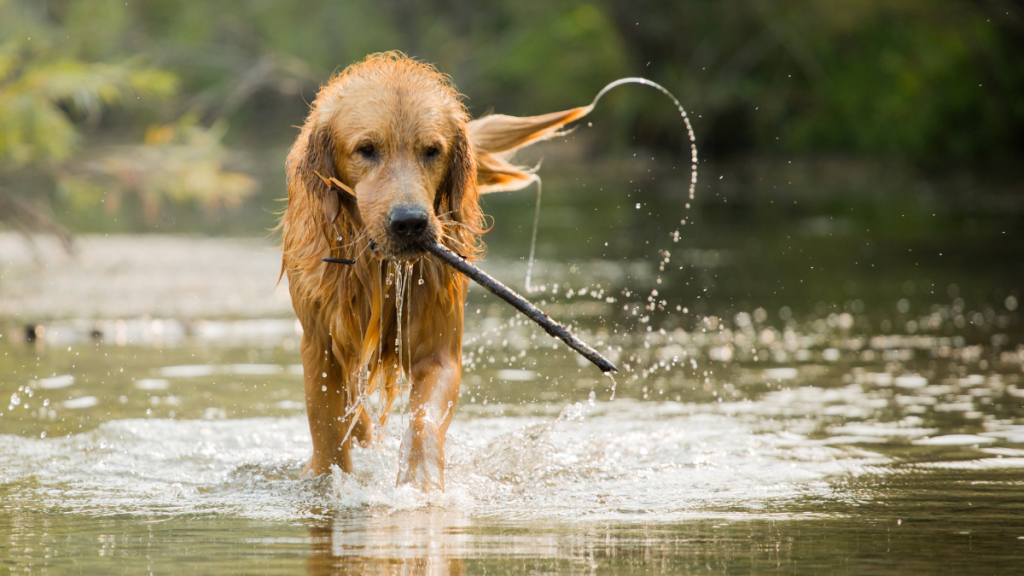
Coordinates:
587	110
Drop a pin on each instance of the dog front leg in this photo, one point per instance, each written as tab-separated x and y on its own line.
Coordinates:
326	401
435	390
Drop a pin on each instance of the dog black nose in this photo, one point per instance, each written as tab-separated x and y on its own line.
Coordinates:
408	222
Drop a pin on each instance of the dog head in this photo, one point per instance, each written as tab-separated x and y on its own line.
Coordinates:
393	130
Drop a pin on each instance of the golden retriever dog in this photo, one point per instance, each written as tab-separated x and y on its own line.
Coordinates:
386	159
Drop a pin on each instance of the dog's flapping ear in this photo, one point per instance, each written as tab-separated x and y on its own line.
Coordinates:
458	186
497	137
313	162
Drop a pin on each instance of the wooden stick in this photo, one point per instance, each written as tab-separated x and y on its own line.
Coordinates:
519	303
333	182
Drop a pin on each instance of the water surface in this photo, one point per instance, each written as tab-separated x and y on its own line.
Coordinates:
787	402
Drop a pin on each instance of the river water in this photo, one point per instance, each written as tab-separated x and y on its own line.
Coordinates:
796	398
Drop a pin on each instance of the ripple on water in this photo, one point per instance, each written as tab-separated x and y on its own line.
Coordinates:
954	440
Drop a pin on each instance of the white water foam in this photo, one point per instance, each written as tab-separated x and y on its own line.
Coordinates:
624	461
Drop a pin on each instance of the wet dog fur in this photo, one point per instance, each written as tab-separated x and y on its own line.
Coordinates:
394	131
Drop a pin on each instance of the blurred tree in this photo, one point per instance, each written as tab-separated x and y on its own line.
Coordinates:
936	83
933	83
873	77
179	162
48	92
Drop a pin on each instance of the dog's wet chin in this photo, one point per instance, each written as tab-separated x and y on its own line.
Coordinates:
407	251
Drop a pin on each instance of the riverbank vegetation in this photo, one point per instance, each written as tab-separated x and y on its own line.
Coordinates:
118	116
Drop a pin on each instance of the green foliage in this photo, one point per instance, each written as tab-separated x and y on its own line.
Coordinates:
555	56
930	81
915	81
40	99
933	83
48	91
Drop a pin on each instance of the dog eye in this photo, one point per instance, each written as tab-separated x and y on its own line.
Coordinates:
367	151
431	152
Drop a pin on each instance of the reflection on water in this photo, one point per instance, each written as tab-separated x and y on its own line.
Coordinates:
766	430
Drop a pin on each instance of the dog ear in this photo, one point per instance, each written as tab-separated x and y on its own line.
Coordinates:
497	137
314	166
458	186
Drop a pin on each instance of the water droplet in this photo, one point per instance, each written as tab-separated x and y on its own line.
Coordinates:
420	282
637	205
323	388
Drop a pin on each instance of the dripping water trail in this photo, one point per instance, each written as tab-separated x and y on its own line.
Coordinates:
362	401
401	290
394	277
408	374
533	240
605	90
408	367
682	112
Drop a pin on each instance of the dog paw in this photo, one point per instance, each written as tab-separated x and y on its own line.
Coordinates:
421	461
307	469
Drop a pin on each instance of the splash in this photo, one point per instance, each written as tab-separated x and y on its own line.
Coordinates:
587	110
577	411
